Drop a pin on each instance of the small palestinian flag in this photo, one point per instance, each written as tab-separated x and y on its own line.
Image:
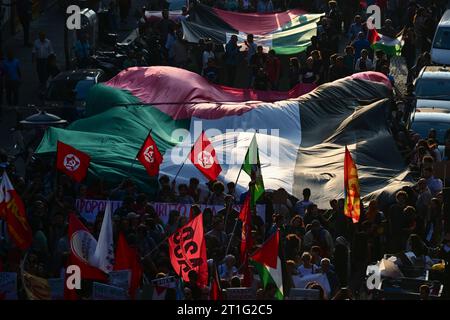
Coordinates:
390	46
268	263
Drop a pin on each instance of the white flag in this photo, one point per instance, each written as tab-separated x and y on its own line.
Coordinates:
104	252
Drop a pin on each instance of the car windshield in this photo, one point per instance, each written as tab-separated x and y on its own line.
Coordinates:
61	90
423	127
64	90
433	88
82	88
442	39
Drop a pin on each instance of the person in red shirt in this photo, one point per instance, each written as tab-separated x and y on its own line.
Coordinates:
273	68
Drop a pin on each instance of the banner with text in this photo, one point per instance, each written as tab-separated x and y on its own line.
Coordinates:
89	208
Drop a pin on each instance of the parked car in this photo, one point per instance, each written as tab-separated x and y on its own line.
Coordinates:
423	120
67	93
432	83
440	48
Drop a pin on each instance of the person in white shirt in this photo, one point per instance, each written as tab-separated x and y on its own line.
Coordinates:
434	184
228	270
307	268
42	49
364	63
208	53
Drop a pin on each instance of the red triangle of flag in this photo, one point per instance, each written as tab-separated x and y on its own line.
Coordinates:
268	253
373	36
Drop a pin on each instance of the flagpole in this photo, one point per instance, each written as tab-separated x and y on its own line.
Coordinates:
251	185
157	246
235	184
181	167
236	222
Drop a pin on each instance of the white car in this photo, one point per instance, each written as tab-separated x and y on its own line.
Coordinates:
440	48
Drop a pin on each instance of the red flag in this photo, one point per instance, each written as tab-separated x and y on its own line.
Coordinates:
72	162
373	36
82	249
216	292
149	156
191	214
352	205
127	258
187	249
203	156
246	239
12	210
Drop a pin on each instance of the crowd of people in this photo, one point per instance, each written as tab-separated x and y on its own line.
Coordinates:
314	240
340	48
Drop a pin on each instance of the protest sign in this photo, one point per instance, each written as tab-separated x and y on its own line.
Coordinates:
89	208
120	279
320	278
304	294
166	282
102	291
240	294
56	288
8	286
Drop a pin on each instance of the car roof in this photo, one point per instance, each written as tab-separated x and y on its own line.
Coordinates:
433	104
435	72
445	20
432	116
77	75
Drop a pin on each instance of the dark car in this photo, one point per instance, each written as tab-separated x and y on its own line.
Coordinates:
67	93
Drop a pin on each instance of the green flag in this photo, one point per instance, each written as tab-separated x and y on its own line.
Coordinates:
252	167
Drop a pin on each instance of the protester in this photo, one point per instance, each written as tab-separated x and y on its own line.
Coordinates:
83	50
42	49
232	59
273	70
13	76
24	12
364	63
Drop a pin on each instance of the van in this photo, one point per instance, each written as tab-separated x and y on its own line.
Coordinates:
440	49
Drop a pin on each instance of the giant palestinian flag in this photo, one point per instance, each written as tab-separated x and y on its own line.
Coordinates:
287	32
300	136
